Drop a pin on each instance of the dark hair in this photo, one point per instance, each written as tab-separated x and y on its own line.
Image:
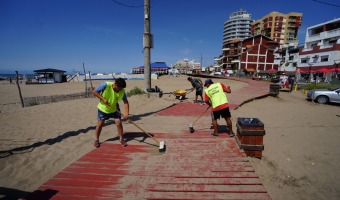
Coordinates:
120	82
189	78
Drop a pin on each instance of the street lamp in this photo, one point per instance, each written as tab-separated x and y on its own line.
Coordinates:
336	63
310	71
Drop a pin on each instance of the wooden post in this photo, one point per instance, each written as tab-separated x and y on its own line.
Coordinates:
85	81
90	80
22	101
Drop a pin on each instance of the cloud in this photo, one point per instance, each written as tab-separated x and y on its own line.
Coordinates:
185	51
200	42
186	40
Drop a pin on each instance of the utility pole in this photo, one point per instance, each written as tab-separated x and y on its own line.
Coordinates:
147	45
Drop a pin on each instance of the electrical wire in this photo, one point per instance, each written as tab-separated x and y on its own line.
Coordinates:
327	3
130	6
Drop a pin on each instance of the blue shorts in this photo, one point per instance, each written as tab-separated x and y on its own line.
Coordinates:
104	116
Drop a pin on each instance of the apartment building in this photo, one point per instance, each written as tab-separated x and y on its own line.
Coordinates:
282	28
321	52
238	26
252	54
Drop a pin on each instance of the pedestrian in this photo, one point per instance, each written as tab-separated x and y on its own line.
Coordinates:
214	96
110	93
197	85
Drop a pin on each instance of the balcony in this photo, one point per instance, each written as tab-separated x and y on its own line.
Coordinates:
323	35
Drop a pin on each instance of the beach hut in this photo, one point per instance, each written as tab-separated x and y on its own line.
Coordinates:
50	75
156	67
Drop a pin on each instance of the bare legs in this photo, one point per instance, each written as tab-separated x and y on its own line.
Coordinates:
230	126
100	126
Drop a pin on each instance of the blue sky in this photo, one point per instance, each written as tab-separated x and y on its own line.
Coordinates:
108	37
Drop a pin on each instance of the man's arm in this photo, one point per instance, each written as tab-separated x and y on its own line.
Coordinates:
226	88
126	107
207	100
99	96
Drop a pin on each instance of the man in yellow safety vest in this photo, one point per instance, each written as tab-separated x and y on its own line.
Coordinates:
110	93
214	96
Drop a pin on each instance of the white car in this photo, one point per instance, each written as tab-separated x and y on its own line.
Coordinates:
323	96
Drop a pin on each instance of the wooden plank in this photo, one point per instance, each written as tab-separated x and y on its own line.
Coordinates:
206	188
154	195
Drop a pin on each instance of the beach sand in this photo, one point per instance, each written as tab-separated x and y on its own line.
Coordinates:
300	158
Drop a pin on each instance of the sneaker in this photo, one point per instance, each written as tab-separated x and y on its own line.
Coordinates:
231	134
194	101
202	103
96	144
123	143
214	134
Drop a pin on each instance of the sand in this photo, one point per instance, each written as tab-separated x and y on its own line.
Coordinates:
300	161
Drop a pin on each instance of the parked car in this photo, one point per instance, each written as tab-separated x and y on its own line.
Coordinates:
323	96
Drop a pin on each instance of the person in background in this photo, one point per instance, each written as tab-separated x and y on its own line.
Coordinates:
214	96
197	85
110	93
283	80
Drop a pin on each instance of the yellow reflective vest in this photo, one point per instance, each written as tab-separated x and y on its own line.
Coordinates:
216	94
112	97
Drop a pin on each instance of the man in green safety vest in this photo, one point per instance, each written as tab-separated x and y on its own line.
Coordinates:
214	96
110	93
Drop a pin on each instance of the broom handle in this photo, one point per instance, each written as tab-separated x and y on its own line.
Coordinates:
140	129
200	116
143	131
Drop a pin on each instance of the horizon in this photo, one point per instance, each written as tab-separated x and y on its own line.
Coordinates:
107	35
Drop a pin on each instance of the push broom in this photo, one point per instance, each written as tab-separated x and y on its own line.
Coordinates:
161	144
191	128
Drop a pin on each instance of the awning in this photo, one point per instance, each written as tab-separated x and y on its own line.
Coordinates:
250	70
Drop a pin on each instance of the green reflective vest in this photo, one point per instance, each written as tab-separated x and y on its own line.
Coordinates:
216	94
112	97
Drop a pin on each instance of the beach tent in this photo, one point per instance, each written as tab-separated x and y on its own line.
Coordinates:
156	67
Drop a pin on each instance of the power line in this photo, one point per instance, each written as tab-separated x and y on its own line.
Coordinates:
327	3
130	6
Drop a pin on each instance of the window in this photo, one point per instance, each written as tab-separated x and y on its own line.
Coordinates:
324	58
304	60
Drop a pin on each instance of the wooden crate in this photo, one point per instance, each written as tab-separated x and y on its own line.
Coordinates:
249	137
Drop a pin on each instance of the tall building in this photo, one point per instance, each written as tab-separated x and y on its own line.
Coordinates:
282	28
238	26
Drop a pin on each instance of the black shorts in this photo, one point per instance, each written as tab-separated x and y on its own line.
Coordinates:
199	92
224	113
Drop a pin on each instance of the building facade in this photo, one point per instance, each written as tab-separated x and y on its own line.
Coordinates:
282	28
321	50
238	26
258	54
252	54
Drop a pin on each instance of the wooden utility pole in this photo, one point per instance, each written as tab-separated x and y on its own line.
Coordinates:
147	45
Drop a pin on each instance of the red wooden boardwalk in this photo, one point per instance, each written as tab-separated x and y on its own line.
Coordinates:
194	166
203	167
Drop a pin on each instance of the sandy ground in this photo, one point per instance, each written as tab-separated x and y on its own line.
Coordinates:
300	161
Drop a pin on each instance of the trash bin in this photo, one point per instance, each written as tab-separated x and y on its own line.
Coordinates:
249	137
274	90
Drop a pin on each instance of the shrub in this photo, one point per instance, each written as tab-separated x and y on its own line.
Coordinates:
312	86
135	91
